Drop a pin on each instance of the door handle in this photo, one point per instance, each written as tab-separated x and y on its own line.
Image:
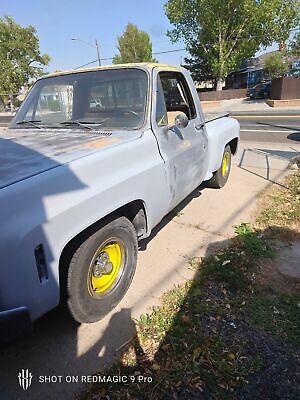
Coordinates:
200	126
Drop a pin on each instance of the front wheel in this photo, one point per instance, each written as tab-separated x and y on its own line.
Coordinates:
220	176
101	270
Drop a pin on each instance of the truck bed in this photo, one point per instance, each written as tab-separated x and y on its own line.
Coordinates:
213	116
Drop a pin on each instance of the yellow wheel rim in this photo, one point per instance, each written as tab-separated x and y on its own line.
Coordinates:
105	268
225	164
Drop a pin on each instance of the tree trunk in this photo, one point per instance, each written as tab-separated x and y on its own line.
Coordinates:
221	60
11	99
219	84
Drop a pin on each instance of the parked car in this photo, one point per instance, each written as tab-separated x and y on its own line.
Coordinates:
260	91
96	103
294	73
78	190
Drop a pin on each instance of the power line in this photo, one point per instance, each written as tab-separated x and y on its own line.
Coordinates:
168	51
89	63
111	58
166	41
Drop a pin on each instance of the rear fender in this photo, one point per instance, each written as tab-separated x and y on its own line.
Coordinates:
221	132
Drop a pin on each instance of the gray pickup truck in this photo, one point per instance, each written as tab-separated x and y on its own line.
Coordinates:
81	185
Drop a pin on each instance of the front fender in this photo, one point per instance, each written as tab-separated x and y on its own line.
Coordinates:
51	208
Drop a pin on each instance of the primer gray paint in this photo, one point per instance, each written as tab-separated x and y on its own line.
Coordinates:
56	183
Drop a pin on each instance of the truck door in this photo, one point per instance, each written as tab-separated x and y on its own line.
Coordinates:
183	149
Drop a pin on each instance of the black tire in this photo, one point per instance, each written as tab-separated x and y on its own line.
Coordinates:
220	177
85	303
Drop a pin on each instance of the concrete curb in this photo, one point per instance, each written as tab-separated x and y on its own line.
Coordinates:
284	103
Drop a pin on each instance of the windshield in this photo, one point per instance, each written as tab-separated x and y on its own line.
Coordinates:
108	99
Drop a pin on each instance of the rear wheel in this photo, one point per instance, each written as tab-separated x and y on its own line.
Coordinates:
220	176
101	270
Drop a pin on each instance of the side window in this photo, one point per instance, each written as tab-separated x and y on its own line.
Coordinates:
161	111
177	94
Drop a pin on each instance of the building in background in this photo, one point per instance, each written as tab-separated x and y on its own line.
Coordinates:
252	71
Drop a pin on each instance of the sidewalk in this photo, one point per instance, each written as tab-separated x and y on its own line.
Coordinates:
237	105
7	114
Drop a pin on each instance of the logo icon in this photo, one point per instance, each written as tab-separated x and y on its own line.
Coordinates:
25	379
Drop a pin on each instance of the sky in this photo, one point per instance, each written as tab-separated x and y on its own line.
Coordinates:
58	21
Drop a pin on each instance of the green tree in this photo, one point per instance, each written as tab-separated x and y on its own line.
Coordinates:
222	34
294	47
134	46
275	66
199	66
20	57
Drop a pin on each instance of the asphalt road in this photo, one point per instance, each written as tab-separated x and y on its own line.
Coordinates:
269	126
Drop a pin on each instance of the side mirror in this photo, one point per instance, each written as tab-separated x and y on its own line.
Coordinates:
181	121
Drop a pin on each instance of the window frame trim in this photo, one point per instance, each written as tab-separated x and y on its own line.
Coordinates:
186	90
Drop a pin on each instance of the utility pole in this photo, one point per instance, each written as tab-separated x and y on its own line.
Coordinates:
98	52
91	45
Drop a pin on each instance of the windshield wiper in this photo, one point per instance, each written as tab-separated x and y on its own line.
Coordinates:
32	122
83	124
